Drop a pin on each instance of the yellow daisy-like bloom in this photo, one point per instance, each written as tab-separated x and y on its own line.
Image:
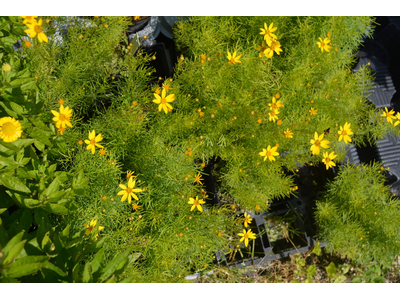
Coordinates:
273	46
196	203
166	86
198	179
62	118
344	133
273	115
233	59
274	106
103	151
328	159
269	153
91	226
128	192
29	19
318	142
93	141
288	133
313	111
247	220
262	48
10	129
61	130
61	102
246	236
268	31
6	67
398	119
129	174
163	101
37	29
323	45
136	206
389	115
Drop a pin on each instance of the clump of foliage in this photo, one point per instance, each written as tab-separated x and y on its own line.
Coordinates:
359	217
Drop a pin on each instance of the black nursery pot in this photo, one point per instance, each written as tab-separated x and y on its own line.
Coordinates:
137	26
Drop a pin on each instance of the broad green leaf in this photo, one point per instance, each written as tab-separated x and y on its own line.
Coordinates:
10	112
56	196
356	280
10	146
30	259
24	270
317	249
15	240
309	279
331	270
97	261
56	208
8	162
23	174
50	266
2	210
76	271
14	252
378	279
39	145
112	266
13	183
53	187
17	108
22	143
87	273
40	135
111	280
65	233
20	81
311	270
340	279
31	203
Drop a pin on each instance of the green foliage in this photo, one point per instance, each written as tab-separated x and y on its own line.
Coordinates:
358	217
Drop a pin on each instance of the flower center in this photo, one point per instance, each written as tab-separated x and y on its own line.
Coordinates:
196	202
232	60
9	129
62	117
269	153
93	142
246	236
274	106
129	190
38	28
344	132
268	32
163	101
317	143
322	44
273	45
327	160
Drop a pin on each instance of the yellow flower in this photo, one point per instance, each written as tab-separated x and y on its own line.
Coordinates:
93	141
196	203
313	111
166	87
80	142
103	151
234	59
275	105
262	48
6	67
136	206
28	44
318	142
279	122
158	91
62	118
246	236
288	133
344	132
61	101
273	46
323	45
61	129
37	29
398	119
163	101
29	20
268	31
91	226
128	192
198	179
129	174
10	129
388	115
257	207
273	115
269	153
328	159
247	219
